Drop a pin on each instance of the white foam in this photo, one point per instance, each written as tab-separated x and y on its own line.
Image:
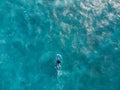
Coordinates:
84	6
59	72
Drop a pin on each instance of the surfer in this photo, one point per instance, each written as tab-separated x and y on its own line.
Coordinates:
58	61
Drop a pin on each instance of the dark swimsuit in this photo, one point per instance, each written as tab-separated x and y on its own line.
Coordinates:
58	62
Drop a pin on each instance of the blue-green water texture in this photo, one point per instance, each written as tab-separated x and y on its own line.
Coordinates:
85	32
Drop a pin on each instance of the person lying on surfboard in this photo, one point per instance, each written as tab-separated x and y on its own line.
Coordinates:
58	61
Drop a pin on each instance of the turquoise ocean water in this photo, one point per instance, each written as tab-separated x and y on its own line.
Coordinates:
85	32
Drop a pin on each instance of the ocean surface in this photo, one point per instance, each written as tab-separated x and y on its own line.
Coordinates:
85	32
